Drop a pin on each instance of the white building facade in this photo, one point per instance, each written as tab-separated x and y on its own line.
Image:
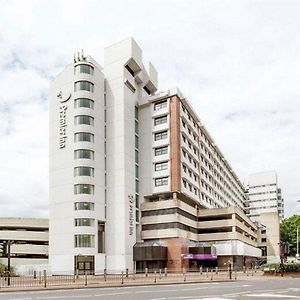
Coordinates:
130	165
264	195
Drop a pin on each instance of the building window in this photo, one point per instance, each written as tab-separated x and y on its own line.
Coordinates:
84	206
84	86
84	120
136	171
136	127
83	68
84	241
161	181
101	237
160	120
84	222
84	102
136	141
161	104
136	112
137	201
263	240
83	154
84	171
161	135
136	186
136	156
161	151
161	166
83	189
84	137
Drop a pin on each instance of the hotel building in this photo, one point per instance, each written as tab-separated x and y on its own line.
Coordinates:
133	172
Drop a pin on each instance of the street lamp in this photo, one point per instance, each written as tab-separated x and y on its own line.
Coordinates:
297	254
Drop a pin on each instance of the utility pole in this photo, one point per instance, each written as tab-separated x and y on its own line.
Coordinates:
297	254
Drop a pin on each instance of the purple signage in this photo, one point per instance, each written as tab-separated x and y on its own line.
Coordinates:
199	256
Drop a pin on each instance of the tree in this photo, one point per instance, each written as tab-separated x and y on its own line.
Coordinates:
288	232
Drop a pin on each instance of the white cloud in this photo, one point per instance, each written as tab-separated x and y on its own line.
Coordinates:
238	62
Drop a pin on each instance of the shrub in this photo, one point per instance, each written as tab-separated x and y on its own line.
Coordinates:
288	267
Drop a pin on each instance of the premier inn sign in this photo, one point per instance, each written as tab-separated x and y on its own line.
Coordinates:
62	126
63	97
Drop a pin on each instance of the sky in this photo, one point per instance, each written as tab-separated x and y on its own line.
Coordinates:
237	62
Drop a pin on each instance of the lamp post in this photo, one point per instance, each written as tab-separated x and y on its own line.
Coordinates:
297	246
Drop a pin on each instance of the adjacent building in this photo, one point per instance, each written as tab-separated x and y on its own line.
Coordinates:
264	195
265	206
30	241
133	173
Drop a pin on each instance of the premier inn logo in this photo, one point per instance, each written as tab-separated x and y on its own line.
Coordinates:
63	97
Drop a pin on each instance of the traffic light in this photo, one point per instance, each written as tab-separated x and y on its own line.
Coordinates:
3	249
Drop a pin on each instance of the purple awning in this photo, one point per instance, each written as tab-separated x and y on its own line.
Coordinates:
199	256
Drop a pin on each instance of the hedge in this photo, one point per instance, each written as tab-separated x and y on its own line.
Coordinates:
288	267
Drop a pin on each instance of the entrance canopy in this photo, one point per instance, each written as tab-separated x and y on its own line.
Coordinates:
150	250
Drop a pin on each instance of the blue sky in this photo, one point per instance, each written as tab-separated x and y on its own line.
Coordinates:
238	63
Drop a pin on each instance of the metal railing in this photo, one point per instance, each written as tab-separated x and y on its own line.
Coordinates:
148	276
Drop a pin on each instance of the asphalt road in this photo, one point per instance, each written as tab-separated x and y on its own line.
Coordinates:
260	288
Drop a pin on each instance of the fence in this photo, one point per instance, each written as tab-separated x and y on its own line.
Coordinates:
160	276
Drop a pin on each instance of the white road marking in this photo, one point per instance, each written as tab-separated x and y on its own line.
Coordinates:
271	295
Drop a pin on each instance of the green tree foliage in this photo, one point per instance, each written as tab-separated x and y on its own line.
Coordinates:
288	232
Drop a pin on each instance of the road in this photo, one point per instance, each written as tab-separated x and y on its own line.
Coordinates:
260	288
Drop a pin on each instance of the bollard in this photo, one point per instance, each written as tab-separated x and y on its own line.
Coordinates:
74	276
77	273
159	273
184	275
216	270
34	274
200	270
255	269
244	269
105	274
133	275
247	272
45	279
155	276
166	271
146	272
122	278
40	277
207	272
85	278
235	274
126	273
252	271
211	274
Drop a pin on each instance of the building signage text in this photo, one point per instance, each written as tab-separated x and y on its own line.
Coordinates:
131	214
62	126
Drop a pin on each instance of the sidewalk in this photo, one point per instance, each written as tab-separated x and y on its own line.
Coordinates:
83	282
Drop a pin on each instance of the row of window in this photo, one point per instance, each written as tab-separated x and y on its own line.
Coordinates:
161	135
84	222
84	154
84	137
160	104
84	189
161	181
84	102
84	68
84	120
190	186
84	85
84	171
161	120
